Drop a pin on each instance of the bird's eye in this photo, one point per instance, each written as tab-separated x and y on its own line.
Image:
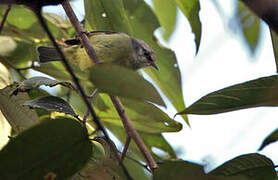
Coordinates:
147	55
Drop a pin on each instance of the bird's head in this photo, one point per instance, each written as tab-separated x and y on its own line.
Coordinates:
144	55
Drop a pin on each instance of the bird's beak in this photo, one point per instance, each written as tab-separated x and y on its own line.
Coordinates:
153	64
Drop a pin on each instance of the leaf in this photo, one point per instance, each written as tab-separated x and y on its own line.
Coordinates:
37	81
127	83
143	23
144	116
51	103
167	20
274	39
107	15
191	10
249	24
180	170
19	117
255	93
271	138
58	147
8	45
254	166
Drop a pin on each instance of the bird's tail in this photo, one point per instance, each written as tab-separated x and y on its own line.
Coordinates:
47	54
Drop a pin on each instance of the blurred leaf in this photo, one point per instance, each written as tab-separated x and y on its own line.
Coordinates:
57	147
167	20
252	166
168	79
250	25
191	10
274	39
19	117
4	125
51	103
107	15
180	170
144	116
127	83
37	81
143	23
8	45
255	93
54	69
271	138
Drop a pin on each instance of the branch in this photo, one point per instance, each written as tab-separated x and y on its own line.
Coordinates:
265	9
116	101
5	17
92	54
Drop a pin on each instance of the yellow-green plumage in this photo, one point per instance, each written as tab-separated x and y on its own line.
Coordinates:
110	47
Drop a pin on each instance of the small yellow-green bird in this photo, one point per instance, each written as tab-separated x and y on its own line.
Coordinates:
112	47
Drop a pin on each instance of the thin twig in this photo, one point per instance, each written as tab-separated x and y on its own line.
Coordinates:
91	97
86	43
5	17
127	142
131	131
18	70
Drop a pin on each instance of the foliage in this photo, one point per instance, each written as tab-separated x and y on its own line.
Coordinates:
50	142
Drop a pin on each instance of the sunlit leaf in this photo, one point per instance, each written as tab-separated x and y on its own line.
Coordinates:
107	15
274	39
51	103
271	138
38	81
167	20
253	166
58	147
255	93
249	24
191	10
18	116
7	45
127	83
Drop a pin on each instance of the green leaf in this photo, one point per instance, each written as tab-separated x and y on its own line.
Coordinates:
19	117
271	138
107	15
8	45
253	166
179	170
274	39
127	83
57	147
51	103
167	20
255	93
144	116
143	23
249	24
168	79
191	10
38	81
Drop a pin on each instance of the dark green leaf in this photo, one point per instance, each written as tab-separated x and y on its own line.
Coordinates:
179	170
51	103
249	24
274	39
57	147
127	83
255	93
18	116
144	116
37	81
271	138
167	20
107	15
252	166
191	10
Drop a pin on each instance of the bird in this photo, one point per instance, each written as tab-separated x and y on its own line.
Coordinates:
110	47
